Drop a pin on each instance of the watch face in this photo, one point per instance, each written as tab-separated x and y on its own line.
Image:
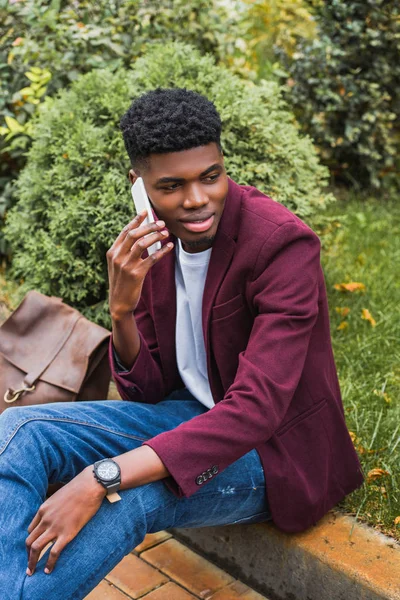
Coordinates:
107	470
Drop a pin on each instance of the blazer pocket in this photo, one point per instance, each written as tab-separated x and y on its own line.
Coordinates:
219	311
303	415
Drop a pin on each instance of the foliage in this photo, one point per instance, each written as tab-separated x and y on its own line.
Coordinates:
345	89
44	46
361	245
74	197
266	28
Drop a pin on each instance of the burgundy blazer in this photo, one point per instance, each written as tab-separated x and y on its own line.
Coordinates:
269	359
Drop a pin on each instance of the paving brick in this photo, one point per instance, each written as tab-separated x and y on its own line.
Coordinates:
237	591
187	568
152	539
105	591
135	577
169	591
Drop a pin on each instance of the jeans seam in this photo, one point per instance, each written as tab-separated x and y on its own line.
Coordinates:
70	421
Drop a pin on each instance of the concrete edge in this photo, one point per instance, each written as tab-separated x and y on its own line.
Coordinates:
338	559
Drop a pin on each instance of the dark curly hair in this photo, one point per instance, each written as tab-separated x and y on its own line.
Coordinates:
169	120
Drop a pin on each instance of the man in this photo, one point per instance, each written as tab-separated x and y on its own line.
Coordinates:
220	347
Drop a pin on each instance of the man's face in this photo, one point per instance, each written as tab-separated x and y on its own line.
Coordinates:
185	187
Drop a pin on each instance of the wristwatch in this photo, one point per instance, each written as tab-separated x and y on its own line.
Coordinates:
108	473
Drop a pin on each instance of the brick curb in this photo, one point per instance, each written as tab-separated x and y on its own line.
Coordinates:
338	559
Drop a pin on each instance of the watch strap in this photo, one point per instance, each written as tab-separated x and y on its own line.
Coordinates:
113	497
113	487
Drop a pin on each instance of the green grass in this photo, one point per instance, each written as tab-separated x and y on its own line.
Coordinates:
361	243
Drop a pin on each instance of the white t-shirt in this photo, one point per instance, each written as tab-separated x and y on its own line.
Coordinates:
190	277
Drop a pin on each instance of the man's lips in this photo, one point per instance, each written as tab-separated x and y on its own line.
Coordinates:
199	225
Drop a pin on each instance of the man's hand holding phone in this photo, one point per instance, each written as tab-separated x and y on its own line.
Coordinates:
126	267
126	273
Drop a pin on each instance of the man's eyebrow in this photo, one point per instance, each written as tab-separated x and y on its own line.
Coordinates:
163	180
170	180
214	167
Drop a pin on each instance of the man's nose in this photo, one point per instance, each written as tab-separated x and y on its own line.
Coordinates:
195	197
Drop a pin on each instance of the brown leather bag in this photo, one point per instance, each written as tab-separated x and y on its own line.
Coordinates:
49	352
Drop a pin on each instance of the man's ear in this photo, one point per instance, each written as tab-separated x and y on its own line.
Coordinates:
133	175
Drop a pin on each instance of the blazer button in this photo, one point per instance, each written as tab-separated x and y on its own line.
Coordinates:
199	480
215	469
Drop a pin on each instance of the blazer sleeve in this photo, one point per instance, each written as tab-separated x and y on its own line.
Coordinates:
284	293
144	381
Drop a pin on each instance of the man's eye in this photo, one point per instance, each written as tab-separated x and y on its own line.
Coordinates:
171	187
212	177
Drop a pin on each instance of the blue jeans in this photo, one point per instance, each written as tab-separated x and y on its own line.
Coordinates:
54	442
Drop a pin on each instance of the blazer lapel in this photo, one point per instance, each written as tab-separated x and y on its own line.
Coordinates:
221	256
163	292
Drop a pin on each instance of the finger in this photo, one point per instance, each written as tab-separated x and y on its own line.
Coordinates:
35	550
35	521
35	533
137	233
136	221
151	260
143	243
54	555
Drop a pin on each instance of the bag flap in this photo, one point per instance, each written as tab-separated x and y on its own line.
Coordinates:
31	335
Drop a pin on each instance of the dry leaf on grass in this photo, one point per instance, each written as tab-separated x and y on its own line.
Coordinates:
343	311
397	521
353	286
343	325
376	474
360	448
383	395
366	315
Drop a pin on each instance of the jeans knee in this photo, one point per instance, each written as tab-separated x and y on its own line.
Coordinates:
10	420
11	416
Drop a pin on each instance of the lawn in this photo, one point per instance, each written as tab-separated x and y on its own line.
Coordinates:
362	245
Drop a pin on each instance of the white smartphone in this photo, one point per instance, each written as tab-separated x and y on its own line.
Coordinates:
141	202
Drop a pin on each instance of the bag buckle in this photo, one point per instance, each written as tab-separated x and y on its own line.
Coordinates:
13	395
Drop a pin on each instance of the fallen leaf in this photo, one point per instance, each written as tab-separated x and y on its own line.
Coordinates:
375	474
397	521
343	311
353	286
343	325
383	395
366	315
18	41
357	444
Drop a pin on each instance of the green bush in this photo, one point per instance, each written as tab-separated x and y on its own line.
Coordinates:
266	29
346	89
74	194
44	46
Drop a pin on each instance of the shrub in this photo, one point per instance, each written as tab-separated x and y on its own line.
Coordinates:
265	30
74	195
346	88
